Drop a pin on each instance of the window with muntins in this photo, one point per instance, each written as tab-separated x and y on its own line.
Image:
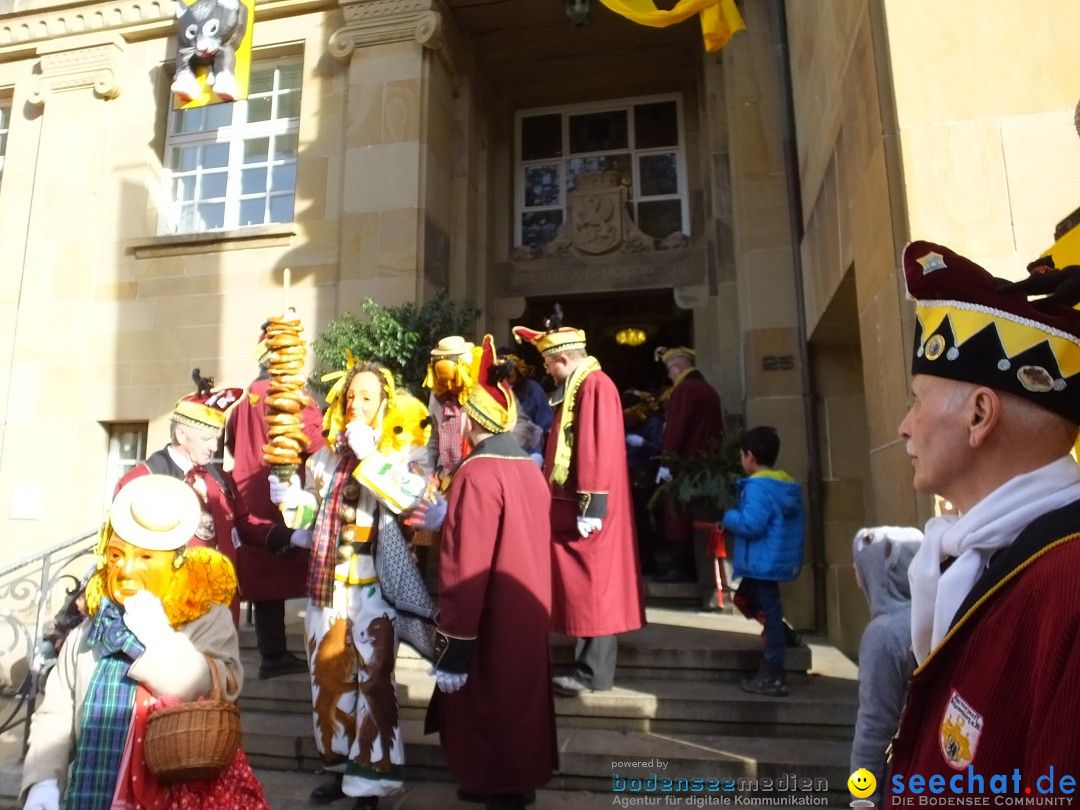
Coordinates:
127	448
641	139
234	164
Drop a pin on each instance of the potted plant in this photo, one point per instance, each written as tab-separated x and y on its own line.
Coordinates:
703	485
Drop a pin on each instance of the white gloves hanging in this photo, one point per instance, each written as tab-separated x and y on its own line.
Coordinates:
44	795
663	475
145	616
634	440
361	439
301	538
587	525
282	493
449	682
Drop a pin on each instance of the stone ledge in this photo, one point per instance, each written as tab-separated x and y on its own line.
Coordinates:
622	271
256	236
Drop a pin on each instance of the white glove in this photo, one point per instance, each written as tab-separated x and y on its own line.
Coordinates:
43	796
301	538
428	514
663	475
361	439
450	682
633	440
282	493
538	459
586	526
145	617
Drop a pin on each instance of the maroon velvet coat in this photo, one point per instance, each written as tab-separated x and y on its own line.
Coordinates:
263	575
694	419
597	582
498	731
1003	690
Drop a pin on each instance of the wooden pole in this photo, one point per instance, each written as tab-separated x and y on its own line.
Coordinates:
285	294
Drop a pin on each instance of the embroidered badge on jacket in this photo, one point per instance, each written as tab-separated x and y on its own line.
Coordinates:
960	730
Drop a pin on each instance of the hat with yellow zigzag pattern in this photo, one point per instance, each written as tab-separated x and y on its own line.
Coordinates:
975	327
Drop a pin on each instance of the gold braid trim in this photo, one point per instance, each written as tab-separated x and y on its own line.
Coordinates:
564	440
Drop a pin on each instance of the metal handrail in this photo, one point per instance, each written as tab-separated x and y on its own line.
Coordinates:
32	591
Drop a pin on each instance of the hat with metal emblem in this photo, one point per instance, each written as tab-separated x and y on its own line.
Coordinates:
975	327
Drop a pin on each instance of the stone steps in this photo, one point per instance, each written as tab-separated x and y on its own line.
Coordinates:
815	706
590	759
676	699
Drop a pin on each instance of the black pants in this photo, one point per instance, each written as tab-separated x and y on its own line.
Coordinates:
270	628
594	661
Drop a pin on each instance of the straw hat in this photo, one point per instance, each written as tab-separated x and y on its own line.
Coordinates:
155	512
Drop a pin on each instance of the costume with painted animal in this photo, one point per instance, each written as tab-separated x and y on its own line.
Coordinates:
349	624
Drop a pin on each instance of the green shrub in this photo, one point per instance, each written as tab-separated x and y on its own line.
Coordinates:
401	338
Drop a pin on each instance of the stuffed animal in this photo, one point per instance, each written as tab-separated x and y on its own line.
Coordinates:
208	34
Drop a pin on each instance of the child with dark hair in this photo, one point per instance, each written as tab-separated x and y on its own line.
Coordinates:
767	526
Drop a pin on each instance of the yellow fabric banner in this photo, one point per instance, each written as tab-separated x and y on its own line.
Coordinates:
719	18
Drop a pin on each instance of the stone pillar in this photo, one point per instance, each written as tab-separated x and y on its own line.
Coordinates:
397	169
61	129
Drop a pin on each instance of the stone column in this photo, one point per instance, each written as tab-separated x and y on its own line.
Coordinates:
61	131
402	56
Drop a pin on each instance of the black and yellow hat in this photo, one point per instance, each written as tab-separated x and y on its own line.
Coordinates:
975	327
489	400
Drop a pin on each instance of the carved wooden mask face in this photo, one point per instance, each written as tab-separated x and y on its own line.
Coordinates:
446	376
130	569
363	398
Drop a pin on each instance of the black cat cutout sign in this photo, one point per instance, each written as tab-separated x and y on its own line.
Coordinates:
213	51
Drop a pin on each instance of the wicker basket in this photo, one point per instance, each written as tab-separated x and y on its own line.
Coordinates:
195	739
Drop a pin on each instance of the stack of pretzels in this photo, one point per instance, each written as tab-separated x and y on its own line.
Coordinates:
285	397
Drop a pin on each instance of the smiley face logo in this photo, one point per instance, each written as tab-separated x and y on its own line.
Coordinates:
861	783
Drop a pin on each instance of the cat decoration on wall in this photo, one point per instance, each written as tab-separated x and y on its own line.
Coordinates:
208	36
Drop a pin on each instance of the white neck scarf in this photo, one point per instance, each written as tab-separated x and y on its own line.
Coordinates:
992	524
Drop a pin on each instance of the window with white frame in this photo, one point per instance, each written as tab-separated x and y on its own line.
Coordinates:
5	125
234	164
642	139
127	448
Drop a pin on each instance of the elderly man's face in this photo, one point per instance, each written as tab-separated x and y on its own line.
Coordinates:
936	432
198	444
558	366
677	367
130	569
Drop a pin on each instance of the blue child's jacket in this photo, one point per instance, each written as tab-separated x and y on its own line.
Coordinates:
768	527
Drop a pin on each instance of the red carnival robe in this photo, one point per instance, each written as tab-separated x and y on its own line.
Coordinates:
262	574
498	731
694	419
232	522
1002	691
596	587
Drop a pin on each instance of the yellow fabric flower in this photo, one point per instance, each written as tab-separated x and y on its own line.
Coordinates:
206	577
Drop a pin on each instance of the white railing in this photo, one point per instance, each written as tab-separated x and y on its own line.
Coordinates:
37	608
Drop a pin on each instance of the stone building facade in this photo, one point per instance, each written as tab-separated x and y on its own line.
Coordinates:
391	148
